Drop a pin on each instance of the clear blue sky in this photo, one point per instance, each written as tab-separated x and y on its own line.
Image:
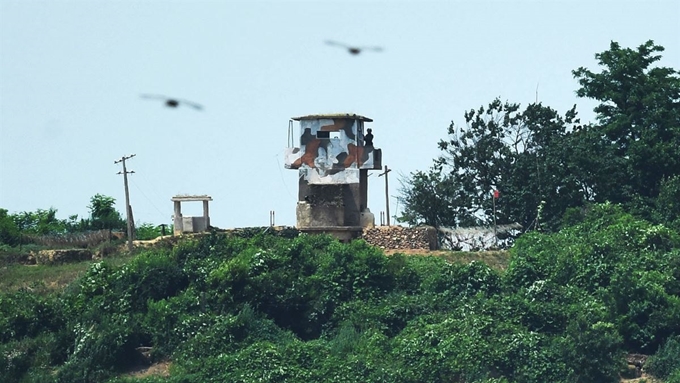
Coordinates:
71	75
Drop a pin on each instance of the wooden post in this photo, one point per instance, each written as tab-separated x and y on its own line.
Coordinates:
387	194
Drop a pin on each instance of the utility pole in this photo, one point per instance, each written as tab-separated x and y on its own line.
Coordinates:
387	194
128	209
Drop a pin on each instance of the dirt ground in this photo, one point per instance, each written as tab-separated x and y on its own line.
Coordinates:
644	378
156	369
163	369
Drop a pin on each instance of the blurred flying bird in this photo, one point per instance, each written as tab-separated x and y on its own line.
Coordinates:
353	50
173	102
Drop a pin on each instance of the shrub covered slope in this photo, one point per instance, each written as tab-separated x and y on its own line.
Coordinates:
310	309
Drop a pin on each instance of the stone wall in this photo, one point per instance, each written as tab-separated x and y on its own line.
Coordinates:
398	237
49	257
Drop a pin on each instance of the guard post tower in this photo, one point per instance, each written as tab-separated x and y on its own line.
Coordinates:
333	161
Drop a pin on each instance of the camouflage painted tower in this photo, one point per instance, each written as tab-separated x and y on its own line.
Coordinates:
333	159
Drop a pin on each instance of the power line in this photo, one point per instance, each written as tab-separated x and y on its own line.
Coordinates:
278	163
148	199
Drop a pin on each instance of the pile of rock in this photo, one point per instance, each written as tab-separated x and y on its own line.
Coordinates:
398	237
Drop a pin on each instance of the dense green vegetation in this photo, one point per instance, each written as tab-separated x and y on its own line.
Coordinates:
43	228
545	163
22	226
227	308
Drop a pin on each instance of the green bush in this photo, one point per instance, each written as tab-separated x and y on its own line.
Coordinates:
674	377
666	362
213	335
9	232
455	347
261	307
24	314
100	350
147	231
13	255
299	283
166	321
623	261
15	359
389	315
151	275
33	356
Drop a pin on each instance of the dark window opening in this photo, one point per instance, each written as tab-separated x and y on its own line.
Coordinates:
322	134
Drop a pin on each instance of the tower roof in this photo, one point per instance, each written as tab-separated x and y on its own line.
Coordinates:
350	116
191	197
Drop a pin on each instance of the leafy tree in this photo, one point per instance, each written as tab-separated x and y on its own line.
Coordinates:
479	156
668	202
544	163
518	152
45	222
543	180
40	222
74	225
103	215
26	225
639	115
148	231
9	233
432	198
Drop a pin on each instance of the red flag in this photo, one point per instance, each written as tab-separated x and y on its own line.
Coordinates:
496	194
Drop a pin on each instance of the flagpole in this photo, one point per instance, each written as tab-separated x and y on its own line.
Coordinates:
496	194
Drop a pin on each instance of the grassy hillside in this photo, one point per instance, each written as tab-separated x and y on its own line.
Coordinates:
54	278
568	307
15	274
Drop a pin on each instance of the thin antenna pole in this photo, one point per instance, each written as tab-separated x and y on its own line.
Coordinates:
128	209
290	142
537	92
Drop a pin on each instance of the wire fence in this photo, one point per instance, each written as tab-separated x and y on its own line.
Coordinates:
82	239
479	238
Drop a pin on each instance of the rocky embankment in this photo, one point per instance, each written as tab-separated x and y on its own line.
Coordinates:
398	237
